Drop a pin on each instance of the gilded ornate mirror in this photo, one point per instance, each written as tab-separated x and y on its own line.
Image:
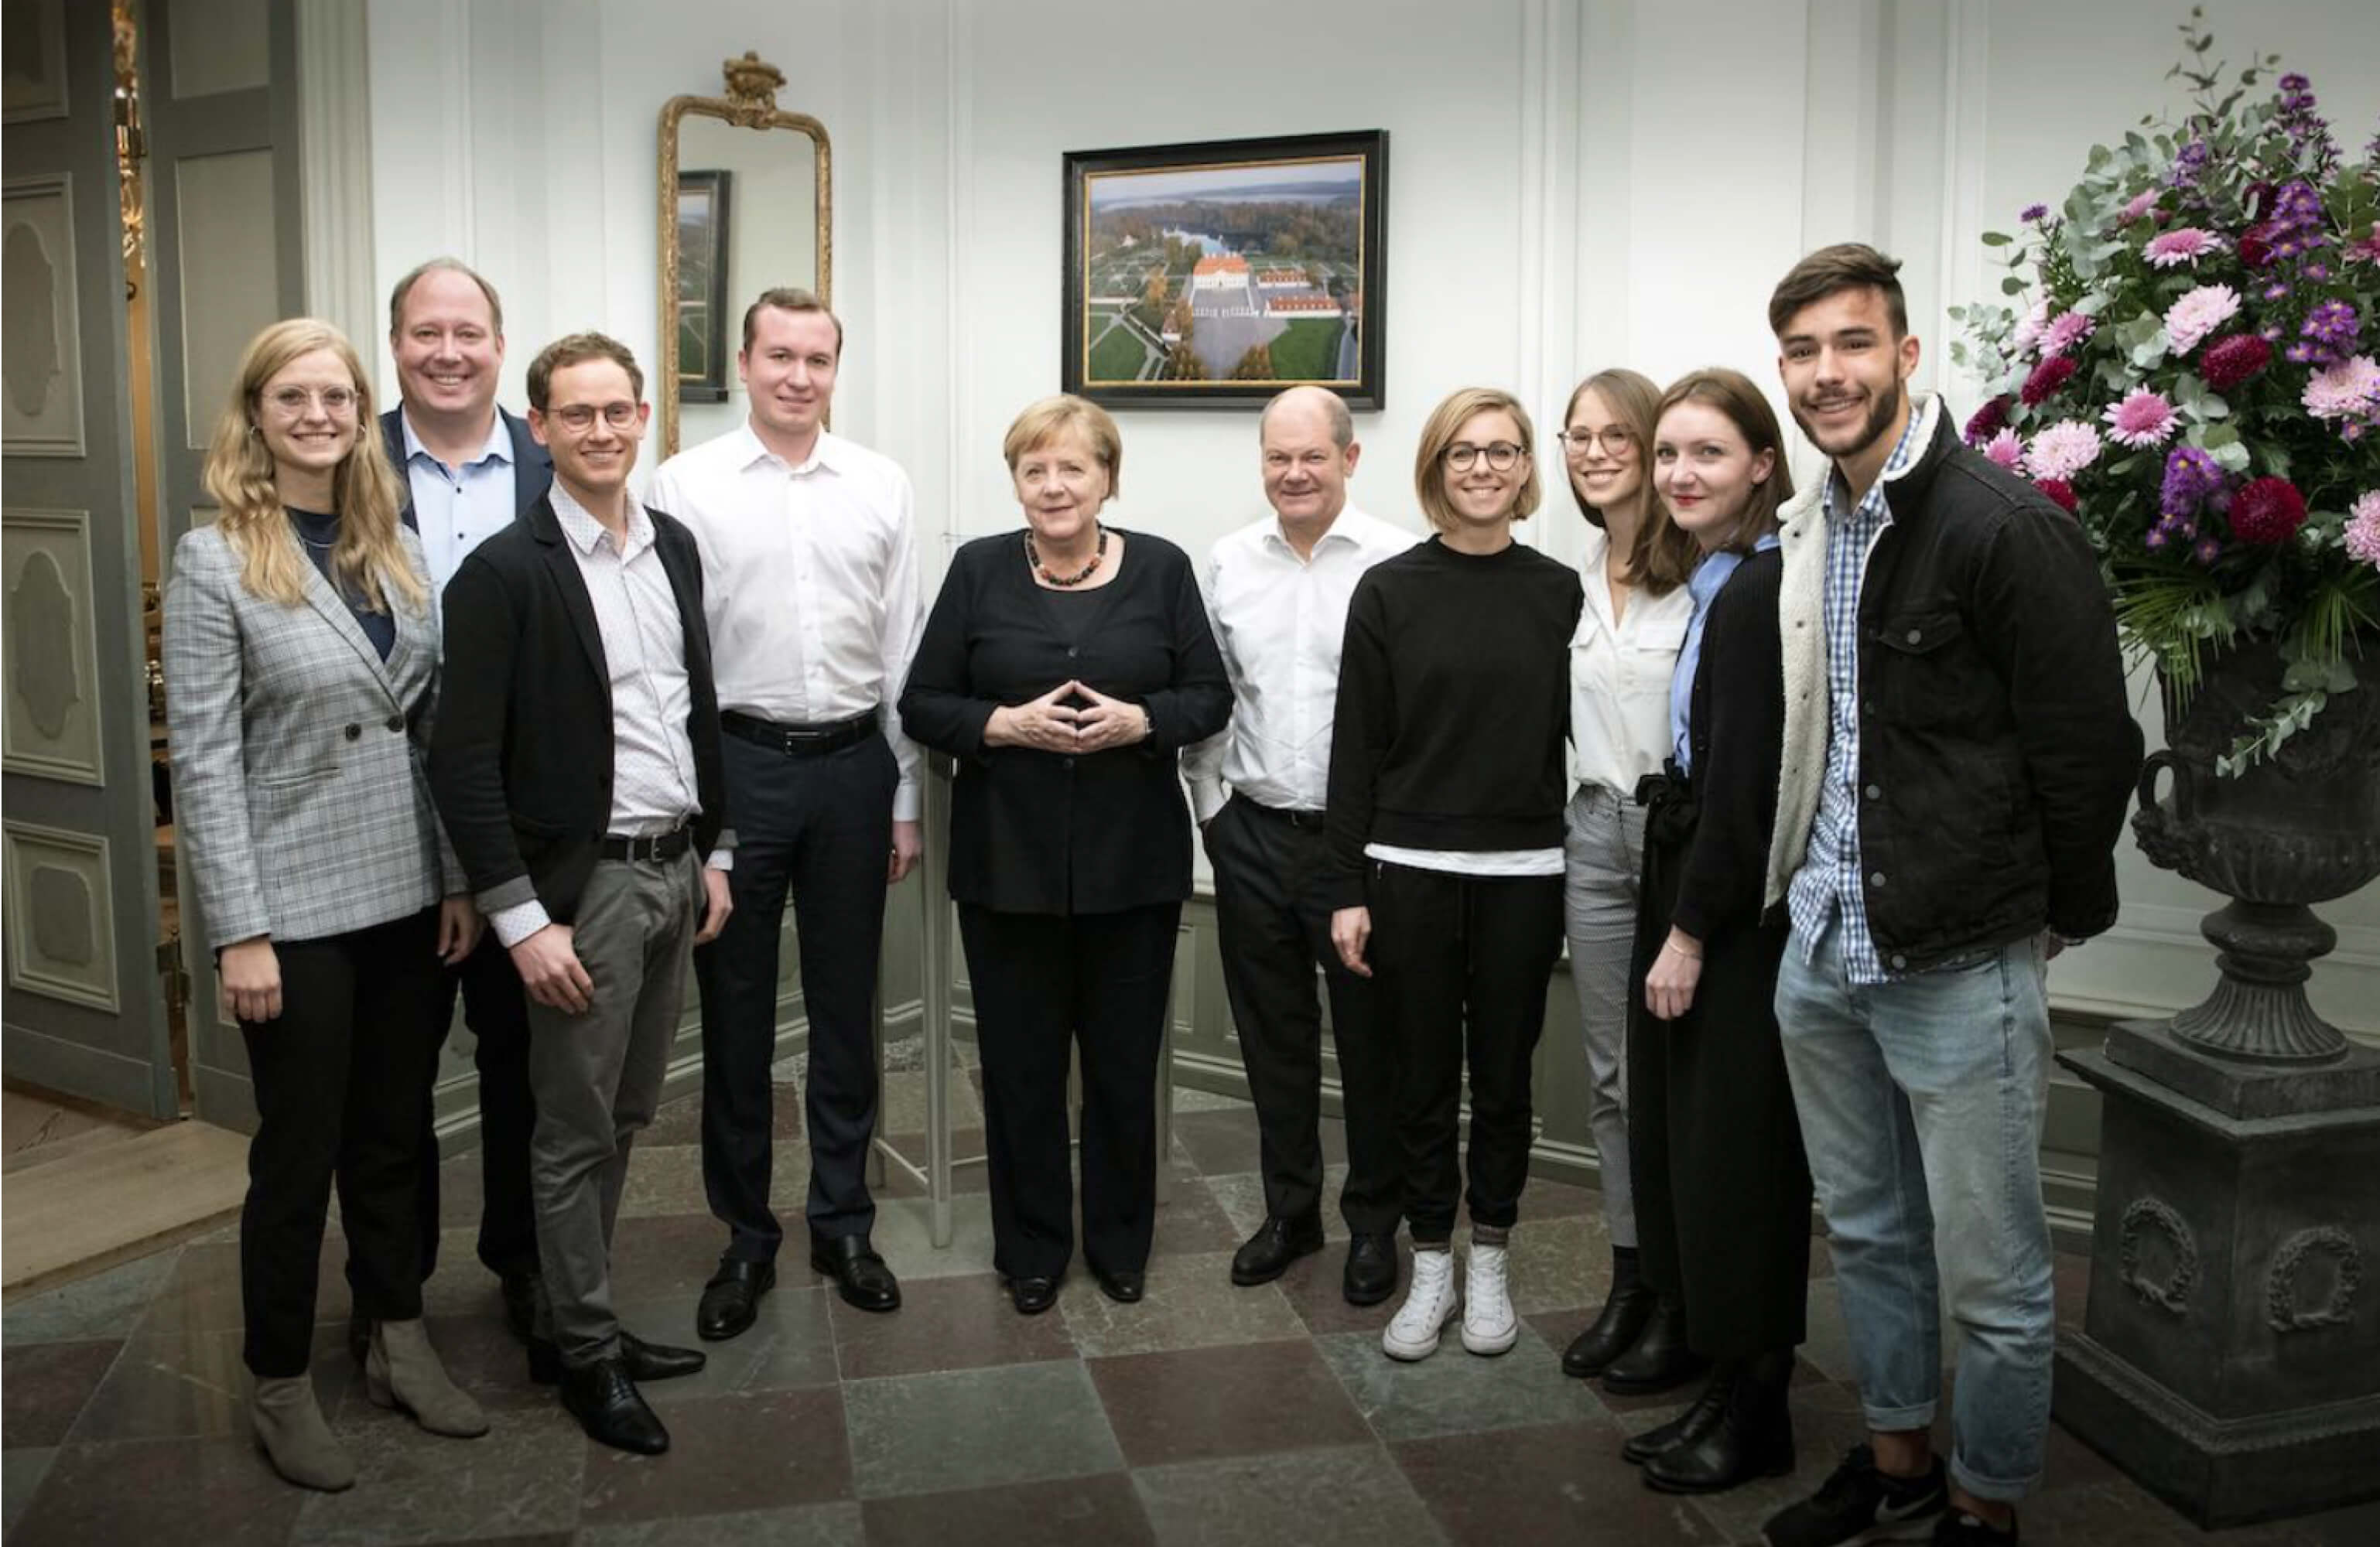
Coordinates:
745	207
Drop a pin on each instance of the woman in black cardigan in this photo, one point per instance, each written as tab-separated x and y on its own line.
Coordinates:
1064	667
1722	1189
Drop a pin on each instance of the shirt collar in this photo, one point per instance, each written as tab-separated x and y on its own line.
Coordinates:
499	446
827	454
1712	572
1342	531
585	532
1915	437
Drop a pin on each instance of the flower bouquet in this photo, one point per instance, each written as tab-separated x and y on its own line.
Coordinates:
2193	375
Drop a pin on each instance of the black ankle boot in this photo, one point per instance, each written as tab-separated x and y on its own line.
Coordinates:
1753	1438
1659	1358
1697	1420
1625	1312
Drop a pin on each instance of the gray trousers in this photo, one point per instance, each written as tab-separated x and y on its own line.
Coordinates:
596	1079
1603	850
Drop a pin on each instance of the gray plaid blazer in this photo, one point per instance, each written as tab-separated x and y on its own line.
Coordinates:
300	797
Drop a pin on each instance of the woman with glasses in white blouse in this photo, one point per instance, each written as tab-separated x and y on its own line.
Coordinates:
1621	660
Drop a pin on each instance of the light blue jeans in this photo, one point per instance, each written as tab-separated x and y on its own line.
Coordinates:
1921	1103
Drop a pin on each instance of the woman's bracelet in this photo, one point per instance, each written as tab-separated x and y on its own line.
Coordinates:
1689	955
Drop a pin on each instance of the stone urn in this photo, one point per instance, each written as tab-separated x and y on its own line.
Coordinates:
2229	1352
2300	827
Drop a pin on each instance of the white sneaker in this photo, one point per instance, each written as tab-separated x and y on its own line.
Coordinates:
1429	1305
1489	1325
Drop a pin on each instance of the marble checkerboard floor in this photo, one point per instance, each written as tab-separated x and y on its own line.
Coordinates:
1206	1414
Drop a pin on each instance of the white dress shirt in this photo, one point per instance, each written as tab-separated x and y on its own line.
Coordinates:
1619	673
456	509
1280	620
810	581
653	786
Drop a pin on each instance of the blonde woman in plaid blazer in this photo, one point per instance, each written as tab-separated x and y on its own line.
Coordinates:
301	664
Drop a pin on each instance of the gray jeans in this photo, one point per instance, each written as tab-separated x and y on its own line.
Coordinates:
1603	850
597	1077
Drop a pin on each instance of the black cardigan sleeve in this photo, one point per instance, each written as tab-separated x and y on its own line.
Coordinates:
467	744
1740	685
1198	703
938	706
1362	724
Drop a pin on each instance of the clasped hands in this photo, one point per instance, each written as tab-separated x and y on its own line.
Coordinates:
1052	726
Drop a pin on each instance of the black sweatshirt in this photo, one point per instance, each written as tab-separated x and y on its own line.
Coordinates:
1453	705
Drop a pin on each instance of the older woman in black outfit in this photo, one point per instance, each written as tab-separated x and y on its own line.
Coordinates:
1065	668
1722	1189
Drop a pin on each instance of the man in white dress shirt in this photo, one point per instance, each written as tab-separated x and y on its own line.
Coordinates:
810	571
1278	592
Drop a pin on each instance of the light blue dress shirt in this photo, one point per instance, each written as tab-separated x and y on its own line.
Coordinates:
456	509
1709	579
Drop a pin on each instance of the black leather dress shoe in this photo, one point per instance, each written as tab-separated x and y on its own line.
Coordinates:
1371	1272
643	1361
1266	1255
1032	1295
732	1298
607	1404
1753	1436
858	1272
1660	1358
521	1291
1125	1288
1699	1419
1610	1334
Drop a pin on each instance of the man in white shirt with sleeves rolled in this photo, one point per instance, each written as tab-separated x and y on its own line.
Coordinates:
1278	592
811	589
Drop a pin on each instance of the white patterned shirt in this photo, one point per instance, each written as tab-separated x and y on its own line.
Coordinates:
653	788
810	581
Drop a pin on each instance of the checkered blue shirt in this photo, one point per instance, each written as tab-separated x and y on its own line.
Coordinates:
1828	885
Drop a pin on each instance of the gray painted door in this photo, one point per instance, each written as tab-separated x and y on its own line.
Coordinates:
228	258
84	1013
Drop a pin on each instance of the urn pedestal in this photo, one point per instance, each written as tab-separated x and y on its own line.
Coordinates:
2229	1355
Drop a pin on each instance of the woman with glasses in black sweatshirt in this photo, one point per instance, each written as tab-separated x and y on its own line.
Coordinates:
1445	826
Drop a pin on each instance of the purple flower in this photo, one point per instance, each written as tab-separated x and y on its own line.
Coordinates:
2188	163
2328	336
2293	82
2144	418
2034	212
2183	245
2207	550
2192	477
2158	536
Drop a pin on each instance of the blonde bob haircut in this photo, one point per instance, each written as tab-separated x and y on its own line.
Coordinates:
1055	416
370	557
1446	422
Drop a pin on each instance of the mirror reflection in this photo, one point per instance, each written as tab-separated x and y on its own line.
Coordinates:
745	190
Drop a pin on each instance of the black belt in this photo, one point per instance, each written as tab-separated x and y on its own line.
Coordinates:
655	850
1283	814
800	741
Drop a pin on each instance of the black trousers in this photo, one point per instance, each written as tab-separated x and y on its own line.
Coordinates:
1044	984
496	1010
820	828
1722	1189
340	1077
1463	962
1274	928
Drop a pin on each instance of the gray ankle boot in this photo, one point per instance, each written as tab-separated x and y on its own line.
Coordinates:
402	1371
289	1426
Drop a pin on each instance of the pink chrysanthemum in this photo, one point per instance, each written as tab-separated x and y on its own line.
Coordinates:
2141	203
2142	418
2198	313
2063	451
2007	448
2350	390
2028	328
2364	528
2187	245
2067	330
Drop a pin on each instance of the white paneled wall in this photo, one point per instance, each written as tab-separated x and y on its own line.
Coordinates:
1574	183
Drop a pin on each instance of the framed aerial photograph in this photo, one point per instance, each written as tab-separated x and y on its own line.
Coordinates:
703	347
1213	276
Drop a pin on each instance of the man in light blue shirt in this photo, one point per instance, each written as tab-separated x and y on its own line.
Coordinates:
469	470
